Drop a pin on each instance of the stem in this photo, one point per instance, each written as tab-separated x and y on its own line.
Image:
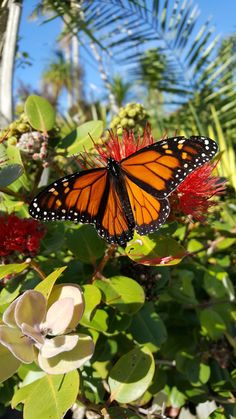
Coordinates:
108	254
37	269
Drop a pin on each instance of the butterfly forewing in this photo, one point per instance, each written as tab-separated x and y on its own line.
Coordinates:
161	167
76	197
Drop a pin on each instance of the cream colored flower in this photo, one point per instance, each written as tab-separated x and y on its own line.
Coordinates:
44	332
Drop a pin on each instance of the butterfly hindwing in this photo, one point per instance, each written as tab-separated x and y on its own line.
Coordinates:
113	223
149	212
162	166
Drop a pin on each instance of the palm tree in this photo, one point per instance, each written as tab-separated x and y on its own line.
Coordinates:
10	11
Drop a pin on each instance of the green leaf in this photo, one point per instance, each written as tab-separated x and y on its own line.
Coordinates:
49	397
40	113
122	293
7	295
148	328
81	138
12	268
217	283
196	372
9	174
99	321
131	375
46	286
155	250
8	363
212	323
92	298
85	244
182	289
219	413
176	398
14	157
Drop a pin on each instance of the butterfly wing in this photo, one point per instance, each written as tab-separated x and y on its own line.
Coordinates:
149	212
153	172
161	167
87	197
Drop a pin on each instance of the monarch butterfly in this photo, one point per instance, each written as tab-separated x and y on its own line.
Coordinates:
128	194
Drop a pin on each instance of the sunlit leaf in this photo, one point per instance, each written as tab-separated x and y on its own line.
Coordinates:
82	138
155	250
40	113
131	375
122	293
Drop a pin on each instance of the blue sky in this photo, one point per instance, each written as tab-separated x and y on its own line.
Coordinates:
39	40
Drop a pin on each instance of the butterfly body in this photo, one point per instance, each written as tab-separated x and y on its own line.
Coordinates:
128	194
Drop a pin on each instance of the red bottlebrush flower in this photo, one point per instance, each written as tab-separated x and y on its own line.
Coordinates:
192	197
118	148
19	234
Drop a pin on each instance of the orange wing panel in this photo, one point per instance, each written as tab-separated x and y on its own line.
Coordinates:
149	213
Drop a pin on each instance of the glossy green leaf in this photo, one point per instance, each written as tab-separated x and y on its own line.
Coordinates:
85	244
182	290
46	286
12	268
57	395
7	295
131	375
212	323
217	283
82	138
219	413
196	372
40	113
122	293
99	321
8	363
9	174
176	397
92	298
148	328
155	250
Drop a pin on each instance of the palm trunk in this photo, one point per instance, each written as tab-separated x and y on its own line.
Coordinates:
8	60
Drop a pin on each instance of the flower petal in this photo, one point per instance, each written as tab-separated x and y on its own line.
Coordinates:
31	308
19	345
8	363
32	333
69	361
59	344
72	291
8	316
59	316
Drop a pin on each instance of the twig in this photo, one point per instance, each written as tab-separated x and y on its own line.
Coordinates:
108	254
37	269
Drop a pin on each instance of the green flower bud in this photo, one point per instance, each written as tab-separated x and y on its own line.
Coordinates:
12	140
131	123
23	127
124	122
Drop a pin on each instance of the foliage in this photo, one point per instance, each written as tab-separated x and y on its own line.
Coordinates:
165	328
154	330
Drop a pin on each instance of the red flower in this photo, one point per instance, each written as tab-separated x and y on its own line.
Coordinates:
118	148
19	234
192	197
